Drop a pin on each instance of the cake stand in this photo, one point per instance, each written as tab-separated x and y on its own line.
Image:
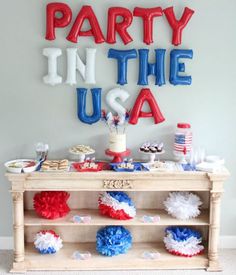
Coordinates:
152	156
118	157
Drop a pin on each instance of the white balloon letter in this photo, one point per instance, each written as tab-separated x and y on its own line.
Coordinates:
111	97
52	77
74	63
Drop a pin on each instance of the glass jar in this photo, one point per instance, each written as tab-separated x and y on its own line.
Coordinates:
183	140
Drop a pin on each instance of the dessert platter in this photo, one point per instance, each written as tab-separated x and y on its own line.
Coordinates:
152	149
90	165
128	166
79	152
55	165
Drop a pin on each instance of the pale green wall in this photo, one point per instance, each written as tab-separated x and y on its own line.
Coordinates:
32	111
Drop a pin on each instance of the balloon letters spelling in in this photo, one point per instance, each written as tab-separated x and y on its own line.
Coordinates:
81	104
145	95
178	25
122	60
176	67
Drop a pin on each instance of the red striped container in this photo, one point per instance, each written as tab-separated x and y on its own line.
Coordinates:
183	139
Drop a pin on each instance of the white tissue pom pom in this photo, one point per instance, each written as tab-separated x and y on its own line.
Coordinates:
183	205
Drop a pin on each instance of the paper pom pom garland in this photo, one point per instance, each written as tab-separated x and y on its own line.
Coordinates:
51	204
47	242
117	205
113	240
183	205
183	241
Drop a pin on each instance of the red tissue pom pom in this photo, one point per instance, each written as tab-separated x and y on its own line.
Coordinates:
51	204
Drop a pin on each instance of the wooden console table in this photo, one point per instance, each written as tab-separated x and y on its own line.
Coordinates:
148	190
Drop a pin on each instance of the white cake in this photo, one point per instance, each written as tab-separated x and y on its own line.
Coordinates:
117	142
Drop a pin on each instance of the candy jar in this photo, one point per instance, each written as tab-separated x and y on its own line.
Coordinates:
183	142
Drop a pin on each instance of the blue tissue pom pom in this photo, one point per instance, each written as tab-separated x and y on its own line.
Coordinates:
113	240
121	197
182	233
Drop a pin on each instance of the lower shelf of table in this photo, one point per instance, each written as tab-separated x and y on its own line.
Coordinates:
132	260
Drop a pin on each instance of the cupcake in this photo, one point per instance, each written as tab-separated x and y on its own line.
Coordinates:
160	147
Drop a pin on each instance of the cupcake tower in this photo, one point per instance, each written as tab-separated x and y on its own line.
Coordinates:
152	149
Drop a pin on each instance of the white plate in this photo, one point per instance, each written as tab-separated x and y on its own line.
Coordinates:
21	168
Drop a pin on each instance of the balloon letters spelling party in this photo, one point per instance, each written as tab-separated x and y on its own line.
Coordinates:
118	23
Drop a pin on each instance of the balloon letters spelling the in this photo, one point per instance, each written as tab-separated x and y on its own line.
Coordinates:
81	104
122	60
177	67
74	63
157	69
145	95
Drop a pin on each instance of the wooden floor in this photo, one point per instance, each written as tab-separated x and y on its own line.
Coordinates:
132	260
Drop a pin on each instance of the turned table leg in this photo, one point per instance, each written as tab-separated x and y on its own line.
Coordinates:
18	227
214	230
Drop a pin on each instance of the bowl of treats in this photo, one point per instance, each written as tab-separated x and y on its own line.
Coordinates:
79	152
22	165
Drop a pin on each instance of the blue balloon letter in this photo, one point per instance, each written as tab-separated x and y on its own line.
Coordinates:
122	60
176	67
81	103
146	69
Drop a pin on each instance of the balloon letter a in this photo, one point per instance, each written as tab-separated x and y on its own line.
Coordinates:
146	95
86	12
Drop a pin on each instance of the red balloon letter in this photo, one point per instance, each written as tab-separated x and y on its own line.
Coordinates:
178	25
147	16
136	113
86	13
54	22
121	27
